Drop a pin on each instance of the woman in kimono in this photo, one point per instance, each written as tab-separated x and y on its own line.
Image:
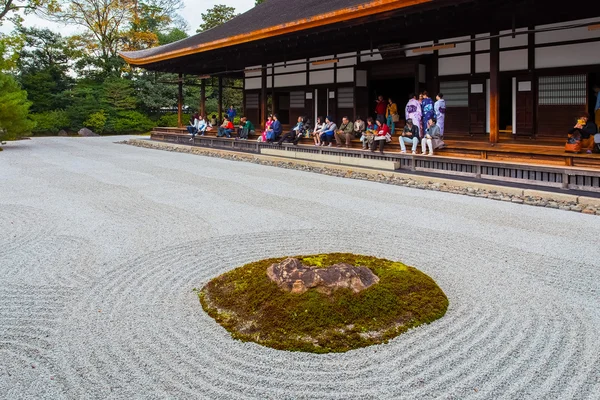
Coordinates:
427	110
263	137
440	111
413	111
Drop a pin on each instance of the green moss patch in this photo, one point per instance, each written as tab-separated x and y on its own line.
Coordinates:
253	308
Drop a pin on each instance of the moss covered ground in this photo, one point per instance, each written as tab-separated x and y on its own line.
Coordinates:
253	308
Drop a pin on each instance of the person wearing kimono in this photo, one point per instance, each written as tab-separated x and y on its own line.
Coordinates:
413	111
263	137
427	109
440	111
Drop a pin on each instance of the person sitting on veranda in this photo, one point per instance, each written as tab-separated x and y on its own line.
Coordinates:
381	137
328	132
345	133
213	120
268	123
359	127
432	137
585	130
410	135
318	130
295	134
192	128
246	128
369	134
275	130
226	128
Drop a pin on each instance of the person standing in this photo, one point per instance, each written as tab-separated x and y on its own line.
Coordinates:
231	113
427	108
392	116
380	109
345	133
409	135
440	111
413	111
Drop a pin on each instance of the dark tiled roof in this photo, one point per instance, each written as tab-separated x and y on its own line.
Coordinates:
268	14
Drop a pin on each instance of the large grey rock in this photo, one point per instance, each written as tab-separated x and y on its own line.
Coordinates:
62	132
293	276
87	132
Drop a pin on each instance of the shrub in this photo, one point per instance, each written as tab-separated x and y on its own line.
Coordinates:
130	122
170	120
96	121
14	110
51	122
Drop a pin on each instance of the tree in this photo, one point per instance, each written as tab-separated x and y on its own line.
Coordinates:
14	110
10	9
43	67
216	16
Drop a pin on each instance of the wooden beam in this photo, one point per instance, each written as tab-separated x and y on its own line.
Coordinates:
180	101
263	97
203	98
494	88
220	107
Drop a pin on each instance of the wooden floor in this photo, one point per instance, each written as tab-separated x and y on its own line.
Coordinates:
541	151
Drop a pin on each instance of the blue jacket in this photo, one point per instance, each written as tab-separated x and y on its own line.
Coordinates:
277	128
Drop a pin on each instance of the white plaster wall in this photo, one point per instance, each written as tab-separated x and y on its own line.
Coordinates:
508	41
253	83
368	57
254	73
567	56
460	48
482	63
345	62
454	65
513	60
482	44
290	80
361	78
321	66
320	77
570	34
345	74
280	68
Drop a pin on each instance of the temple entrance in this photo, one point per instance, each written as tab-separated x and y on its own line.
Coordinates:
398	89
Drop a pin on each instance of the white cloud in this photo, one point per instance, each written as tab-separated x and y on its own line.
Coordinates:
191	13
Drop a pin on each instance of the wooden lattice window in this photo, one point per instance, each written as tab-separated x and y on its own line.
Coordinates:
252	101
456	93
346	97
297	99
566	90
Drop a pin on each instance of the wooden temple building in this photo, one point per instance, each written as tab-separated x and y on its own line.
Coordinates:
515	75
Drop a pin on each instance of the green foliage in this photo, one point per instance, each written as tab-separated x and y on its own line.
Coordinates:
14	110
51	122
257	2
118	95
253	308
216	16
96	121
169	120
130	122
171	36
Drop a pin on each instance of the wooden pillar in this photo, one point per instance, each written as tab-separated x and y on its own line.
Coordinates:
533	77
220	109
180	101
203	97
263	97
273	99
494	88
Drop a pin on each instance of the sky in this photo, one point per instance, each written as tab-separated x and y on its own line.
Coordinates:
191	13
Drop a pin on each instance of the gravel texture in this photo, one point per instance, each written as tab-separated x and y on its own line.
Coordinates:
101	246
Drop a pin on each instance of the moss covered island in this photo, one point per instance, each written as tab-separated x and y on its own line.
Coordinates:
253	308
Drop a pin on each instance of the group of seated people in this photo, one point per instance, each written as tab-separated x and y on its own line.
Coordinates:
200	125
373	134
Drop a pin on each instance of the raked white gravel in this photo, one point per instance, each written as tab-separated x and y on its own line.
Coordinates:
102	244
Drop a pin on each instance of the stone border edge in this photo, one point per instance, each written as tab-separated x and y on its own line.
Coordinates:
532	197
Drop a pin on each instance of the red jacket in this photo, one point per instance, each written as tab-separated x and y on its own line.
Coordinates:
384	130
380	108
230	125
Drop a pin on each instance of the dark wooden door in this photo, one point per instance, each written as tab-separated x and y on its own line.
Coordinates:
477	108
525	106
322	102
